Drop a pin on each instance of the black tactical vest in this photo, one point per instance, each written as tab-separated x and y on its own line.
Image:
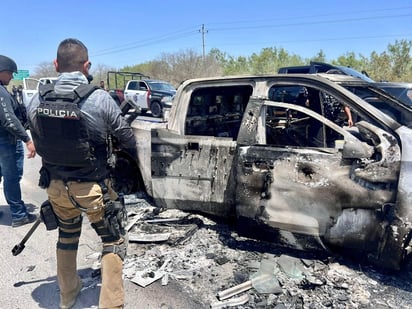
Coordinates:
63	135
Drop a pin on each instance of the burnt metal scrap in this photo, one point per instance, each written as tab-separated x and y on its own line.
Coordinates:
222	276
223	269
293	174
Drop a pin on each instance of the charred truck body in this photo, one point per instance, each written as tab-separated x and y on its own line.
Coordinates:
246	147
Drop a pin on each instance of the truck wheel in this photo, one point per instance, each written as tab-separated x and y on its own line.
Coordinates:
156	109
125	175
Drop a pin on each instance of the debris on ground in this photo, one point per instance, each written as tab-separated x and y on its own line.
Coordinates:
213	263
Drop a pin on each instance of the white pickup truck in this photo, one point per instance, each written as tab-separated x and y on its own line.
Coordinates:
243	147
149	95
31	87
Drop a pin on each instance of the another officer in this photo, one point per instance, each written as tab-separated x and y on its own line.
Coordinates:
71	138
12	136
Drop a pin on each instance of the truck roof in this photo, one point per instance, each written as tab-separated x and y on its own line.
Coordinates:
321	67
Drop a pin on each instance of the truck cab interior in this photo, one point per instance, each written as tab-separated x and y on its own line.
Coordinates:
217	111
291	127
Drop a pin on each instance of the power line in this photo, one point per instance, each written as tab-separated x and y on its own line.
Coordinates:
300	23
143	43
313	16
405	35
190	31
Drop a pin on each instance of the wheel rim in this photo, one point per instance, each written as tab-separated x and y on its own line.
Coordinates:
156	109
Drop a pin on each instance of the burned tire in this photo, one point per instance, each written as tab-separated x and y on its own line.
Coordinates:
156	109
125	175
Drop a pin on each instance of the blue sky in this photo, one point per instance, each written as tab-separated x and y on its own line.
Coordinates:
129	32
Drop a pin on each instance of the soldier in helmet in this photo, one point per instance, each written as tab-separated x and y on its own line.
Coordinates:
12	137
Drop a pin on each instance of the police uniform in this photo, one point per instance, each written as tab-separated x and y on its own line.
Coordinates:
73	190
12	136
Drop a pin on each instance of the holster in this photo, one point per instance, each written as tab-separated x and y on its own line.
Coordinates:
115	218
48	216
44	180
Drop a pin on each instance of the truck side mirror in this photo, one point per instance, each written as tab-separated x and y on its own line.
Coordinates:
356	150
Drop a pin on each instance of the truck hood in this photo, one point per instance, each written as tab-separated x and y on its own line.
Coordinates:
163	92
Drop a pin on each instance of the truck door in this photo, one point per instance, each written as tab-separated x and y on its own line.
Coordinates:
136	91
293	186
142	94
192	172
30	86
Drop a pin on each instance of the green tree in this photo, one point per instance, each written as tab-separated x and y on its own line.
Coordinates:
380	66
265	62
359	63
394	64
219	56
271	59
320	57
235	66
348	60
400	58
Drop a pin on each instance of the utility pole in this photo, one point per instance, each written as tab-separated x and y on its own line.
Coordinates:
203	32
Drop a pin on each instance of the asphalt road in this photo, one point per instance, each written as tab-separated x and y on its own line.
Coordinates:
28	280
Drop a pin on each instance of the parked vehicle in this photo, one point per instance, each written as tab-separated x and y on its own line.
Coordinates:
150	95
116	82
321	67
243	148
31	86
399	90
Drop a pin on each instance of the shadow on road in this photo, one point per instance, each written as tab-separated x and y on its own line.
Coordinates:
46	295
5	216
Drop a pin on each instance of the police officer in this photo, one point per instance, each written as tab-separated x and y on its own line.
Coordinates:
12	136
77	179
14	92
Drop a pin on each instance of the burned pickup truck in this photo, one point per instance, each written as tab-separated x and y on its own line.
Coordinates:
246	147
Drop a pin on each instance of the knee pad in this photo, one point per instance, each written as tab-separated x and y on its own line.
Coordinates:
112	227
70	224
69	230
119	249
